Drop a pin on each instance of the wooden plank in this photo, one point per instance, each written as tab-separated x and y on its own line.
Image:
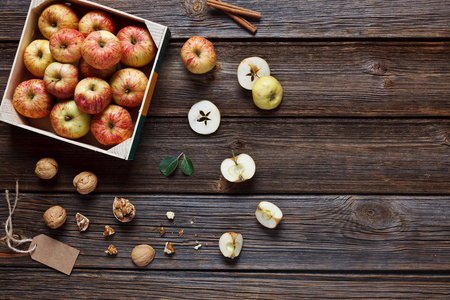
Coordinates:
205	285
319	79
326	233
299	19
358	156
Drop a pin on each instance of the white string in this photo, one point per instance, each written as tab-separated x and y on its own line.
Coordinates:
9	228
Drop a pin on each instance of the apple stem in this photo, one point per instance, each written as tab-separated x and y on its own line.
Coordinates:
234	157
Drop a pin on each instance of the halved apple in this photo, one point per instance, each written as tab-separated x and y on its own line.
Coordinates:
204	117
230	244
250	70
268	214
238	168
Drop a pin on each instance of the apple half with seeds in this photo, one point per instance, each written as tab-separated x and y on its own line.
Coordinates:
268	214
230	244
250	70
204	117
238	168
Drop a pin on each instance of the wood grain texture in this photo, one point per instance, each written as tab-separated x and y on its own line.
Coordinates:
327	233
158	284
344	79
287	19
381	156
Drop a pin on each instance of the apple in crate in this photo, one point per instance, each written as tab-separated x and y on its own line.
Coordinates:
138	48
128	87
101	49
96	20
198	55
61	79
86	70
65	45
92	95
69	121
112	126
31	100
55	17
37	57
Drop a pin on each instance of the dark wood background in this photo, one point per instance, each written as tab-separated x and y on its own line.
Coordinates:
356	156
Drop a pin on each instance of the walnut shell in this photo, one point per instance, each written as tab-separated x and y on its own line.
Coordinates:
123	209
85	182
142	255
55	216
46	168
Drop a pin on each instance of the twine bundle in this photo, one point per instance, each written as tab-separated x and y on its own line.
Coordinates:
9	227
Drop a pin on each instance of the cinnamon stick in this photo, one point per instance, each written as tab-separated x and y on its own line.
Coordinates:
234	9
243	22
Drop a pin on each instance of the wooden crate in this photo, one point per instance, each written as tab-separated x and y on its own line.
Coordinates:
125	150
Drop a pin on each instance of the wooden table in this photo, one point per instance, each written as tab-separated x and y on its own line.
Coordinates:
356	156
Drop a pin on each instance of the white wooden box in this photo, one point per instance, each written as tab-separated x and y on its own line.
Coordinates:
124	150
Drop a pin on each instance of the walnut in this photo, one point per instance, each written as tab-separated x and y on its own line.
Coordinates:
46	168
123	210
108	231
112	250
82	222
142	255
169	249
55	216
85	182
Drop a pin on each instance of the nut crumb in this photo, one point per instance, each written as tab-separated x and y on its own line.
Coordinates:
169	249
108	231
162	231
112	250
193	220
197	247
181	232
82	222
196	235
170	215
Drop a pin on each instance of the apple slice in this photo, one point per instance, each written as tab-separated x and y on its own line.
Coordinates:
250	70
204	117
230	244
238	168
268	214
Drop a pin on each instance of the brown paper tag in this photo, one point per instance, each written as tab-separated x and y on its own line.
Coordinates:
54	254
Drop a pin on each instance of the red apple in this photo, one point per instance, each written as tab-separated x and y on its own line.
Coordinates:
86	70
37	57
198	55
31	100
61	79
101	49
96	20
55	17
137	46
92	95
65	45
128	87
112	126
69	121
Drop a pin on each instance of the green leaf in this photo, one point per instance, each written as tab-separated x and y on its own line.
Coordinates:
186	166
168	165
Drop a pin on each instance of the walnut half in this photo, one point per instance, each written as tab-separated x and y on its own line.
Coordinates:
123	210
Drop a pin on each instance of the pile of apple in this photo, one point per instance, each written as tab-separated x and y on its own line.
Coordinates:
78	74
